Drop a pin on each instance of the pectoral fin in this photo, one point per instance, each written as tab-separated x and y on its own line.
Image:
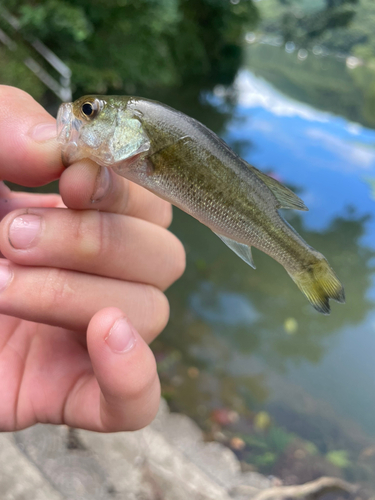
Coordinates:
240	249
285	197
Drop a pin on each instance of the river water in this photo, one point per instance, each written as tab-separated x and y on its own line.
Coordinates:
246	340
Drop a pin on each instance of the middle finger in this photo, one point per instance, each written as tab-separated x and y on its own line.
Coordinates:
70	299
93	242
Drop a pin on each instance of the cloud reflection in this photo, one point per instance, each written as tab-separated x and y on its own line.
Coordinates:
256	92
355	155
223	307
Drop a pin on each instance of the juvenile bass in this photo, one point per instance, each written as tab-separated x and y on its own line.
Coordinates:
185	163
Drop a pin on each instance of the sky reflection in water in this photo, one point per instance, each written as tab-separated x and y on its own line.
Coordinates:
328	162
325	156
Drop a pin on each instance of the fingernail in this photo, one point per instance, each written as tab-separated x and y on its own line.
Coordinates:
43	132
121	337
5	275
102	184
24	230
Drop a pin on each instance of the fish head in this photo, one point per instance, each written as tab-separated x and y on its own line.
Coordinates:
101	128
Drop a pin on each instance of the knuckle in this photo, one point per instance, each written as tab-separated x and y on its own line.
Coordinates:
157	307
141	390
162	312
143	419
56	289
142	384
174	260
166	214
89	234
179	259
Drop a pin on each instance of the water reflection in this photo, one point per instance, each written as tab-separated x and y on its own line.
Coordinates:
222	307
323	82
242	305
253	340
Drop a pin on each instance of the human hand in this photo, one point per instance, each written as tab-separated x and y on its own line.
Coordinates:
80	289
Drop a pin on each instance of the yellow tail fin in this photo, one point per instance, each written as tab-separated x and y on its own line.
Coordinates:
319	283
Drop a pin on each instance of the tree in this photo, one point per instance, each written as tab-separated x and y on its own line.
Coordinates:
125	45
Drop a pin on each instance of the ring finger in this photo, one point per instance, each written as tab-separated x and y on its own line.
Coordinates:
70	299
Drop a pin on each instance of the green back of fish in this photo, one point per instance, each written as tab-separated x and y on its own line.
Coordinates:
200	173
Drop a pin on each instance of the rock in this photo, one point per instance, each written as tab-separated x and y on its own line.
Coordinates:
20	479
75	473
167	460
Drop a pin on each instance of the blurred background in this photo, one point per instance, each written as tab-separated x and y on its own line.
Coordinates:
290	86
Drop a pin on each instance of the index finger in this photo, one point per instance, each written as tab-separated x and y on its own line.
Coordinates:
85	185
29	153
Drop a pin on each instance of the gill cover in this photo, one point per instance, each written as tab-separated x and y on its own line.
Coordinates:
108	135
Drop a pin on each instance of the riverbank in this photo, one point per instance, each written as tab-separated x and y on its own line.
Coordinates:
168	460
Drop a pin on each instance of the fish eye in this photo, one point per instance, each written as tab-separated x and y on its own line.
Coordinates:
90	109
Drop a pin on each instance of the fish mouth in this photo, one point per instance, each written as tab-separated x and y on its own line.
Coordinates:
68	133
64	120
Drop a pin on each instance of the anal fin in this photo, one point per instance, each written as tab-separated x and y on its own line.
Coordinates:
243	251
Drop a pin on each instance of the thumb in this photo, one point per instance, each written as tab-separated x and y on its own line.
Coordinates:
125	369
30	154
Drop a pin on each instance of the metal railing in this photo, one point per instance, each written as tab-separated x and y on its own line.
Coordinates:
61	88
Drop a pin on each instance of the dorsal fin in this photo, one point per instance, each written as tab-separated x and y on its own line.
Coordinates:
243	251
285	197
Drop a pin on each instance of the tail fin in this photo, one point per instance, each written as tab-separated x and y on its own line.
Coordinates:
319	283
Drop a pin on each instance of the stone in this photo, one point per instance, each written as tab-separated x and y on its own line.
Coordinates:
167	460
20	479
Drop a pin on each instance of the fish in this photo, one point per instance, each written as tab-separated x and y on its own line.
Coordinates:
180	160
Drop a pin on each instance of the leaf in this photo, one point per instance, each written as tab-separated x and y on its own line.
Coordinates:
339	458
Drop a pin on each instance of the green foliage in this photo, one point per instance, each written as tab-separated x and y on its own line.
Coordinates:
53	16
255	442
304	26
324	83
266	459
13	71
311	448
278	439
275	439
269	449
340	25
125	45
339	458
265	448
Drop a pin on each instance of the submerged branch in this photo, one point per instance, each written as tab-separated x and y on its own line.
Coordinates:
313	489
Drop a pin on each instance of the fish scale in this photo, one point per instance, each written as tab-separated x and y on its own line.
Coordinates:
243	221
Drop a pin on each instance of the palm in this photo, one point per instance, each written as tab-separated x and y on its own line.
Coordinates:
41	368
